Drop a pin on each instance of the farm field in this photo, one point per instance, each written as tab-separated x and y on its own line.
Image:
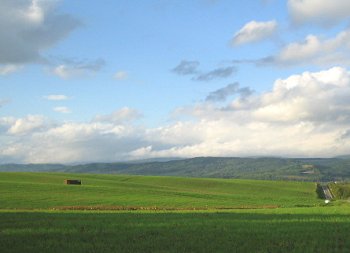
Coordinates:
230	215
47	191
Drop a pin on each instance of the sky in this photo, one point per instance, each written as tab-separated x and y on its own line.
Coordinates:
105	81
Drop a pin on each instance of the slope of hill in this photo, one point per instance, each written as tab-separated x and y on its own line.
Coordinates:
119	213
47	190
303	169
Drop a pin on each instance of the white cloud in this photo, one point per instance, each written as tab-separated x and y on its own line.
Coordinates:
6	123
26	125
316	50
121	75
56	97
325	12
74	142
29	27
306	114
62	109
254	31
319	97
226	137
8	69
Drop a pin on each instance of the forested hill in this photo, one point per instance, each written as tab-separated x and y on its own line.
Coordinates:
311	169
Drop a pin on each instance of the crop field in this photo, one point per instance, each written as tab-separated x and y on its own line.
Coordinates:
109	213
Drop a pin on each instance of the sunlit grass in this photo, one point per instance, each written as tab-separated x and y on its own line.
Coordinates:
45	190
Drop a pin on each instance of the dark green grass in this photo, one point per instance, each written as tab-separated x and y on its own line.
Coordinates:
279	230
46	190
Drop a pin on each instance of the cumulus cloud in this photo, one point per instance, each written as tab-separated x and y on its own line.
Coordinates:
254	31
54	97
315	50
62	109
306	114
29	27
26	125
314	97
68	141
325	12
72	69
303	115
234	139
186	68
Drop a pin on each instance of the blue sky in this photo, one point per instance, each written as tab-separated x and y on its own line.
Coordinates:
85	81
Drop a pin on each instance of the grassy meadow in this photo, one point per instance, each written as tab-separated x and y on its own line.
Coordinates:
166	214
47	190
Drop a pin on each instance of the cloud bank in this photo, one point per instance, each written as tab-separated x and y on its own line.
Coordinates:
306	114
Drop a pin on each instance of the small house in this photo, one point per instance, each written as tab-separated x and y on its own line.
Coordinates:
72	181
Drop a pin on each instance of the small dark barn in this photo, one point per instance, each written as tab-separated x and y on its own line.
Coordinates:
72	181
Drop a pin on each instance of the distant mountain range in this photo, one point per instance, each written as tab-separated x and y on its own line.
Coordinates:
303	169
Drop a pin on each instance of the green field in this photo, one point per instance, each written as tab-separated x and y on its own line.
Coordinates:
47	190
166	214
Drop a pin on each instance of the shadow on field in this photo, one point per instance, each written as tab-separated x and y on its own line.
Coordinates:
173	232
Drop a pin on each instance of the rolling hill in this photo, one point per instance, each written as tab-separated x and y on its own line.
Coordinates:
267	168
